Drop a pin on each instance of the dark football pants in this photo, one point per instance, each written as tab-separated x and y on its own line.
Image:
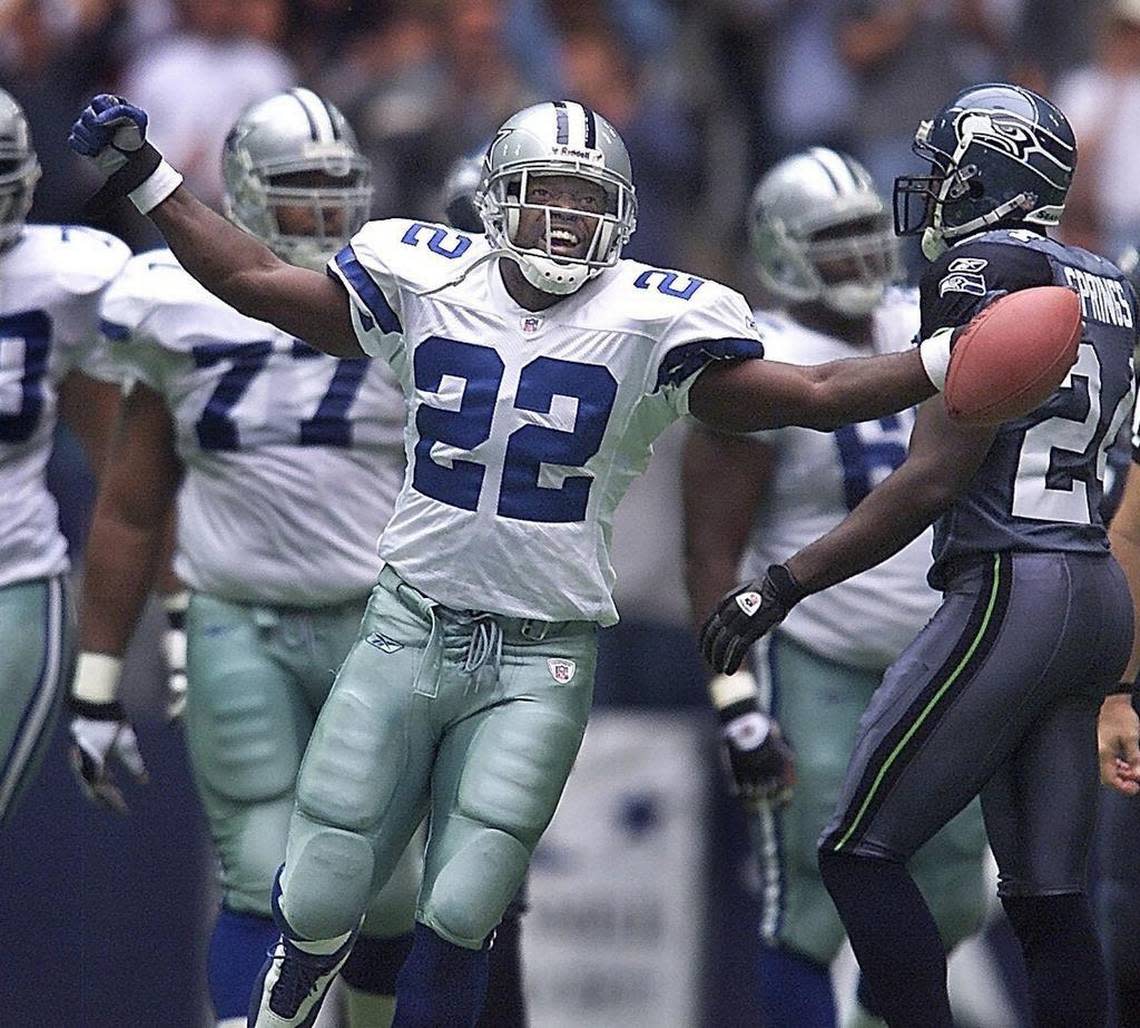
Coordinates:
998	695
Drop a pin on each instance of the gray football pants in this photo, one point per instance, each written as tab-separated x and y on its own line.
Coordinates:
475	718
997	696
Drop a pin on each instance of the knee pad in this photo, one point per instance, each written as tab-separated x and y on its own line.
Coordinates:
325	882
467	899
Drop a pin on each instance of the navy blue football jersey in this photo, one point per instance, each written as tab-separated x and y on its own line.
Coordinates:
1040	486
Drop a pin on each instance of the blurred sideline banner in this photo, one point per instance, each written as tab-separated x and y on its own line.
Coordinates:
616	923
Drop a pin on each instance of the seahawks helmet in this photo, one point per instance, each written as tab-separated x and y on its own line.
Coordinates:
557	138
19	170
999	155
821	233
281	155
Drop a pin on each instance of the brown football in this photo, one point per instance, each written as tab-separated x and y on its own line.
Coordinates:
1011	356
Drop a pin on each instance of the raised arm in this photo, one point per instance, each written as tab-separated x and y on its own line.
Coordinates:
942	458
746	396
230	263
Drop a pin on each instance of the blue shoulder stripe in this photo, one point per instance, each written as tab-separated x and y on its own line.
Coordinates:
686	360
113	330
367	289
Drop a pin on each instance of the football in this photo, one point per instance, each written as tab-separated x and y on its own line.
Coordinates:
1011	356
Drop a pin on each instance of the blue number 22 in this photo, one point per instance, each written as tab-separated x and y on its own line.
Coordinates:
464	427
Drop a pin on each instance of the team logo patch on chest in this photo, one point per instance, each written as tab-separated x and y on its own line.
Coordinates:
383	643
561	670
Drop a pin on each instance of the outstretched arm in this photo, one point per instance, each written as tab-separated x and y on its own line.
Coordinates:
942	458
232	264
746	396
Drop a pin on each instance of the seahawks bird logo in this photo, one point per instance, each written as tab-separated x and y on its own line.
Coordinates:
1009	136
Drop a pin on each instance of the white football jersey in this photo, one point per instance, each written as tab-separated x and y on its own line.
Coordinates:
292	458
525	428
50	284
818	478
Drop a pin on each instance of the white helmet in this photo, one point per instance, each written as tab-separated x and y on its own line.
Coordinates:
290	133
818	209
19	170
566	139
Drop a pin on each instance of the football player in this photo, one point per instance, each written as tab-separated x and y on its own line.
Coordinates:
537	367
51	279
999	694
824	251
286	463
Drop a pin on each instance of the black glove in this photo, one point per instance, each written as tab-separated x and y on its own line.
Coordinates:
747	613
760	762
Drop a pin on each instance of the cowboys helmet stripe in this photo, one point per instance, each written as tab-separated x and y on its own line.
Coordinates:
591	128
563	134
320	122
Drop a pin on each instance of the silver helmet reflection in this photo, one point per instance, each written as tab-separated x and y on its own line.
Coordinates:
295	177
564	139
820	232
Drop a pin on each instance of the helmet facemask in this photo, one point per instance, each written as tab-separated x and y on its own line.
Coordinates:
300	209
19	173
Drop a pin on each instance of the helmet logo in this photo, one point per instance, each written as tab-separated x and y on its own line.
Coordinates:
1008	136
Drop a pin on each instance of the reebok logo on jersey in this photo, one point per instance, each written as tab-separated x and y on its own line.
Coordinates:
962	282
749	602
967	264
383	643
561	670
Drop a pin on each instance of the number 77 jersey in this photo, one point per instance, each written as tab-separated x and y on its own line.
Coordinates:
525	428
1040	486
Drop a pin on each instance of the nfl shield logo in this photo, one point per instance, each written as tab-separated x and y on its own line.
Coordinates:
561	670
749	602
531	324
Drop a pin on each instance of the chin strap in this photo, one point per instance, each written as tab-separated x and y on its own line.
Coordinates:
496	251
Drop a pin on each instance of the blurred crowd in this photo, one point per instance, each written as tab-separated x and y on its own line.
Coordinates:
706	94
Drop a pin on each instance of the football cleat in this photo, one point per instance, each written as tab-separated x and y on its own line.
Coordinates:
292	985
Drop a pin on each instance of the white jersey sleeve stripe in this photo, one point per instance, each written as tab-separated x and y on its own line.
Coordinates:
368	292
684	361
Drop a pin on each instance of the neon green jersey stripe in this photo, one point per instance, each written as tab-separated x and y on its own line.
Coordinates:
929	706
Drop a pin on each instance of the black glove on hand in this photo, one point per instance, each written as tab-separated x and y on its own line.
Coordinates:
760	761
747	613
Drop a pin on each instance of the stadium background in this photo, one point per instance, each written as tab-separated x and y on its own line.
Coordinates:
644	897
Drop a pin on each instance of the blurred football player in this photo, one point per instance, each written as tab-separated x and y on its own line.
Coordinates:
537	367
51	279
999	694
825	253
286	463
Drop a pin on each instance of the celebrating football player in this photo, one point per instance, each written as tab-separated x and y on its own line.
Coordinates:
292	464
999	694
824	251
537	368
50	364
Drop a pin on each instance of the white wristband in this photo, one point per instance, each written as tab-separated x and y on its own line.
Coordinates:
725	690
935	353
96	677
157	187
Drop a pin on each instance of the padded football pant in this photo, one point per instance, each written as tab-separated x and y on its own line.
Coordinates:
818	704
475	717
36	637
258	677
997	696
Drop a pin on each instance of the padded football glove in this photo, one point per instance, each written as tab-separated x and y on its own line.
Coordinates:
745	614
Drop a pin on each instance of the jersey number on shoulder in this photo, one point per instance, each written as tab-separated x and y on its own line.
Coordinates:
329	426
468	376
870	451
1056	467
24	343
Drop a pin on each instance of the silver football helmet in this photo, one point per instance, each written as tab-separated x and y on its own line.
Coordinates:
464	178
19	170
821	233
559	138
296	153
